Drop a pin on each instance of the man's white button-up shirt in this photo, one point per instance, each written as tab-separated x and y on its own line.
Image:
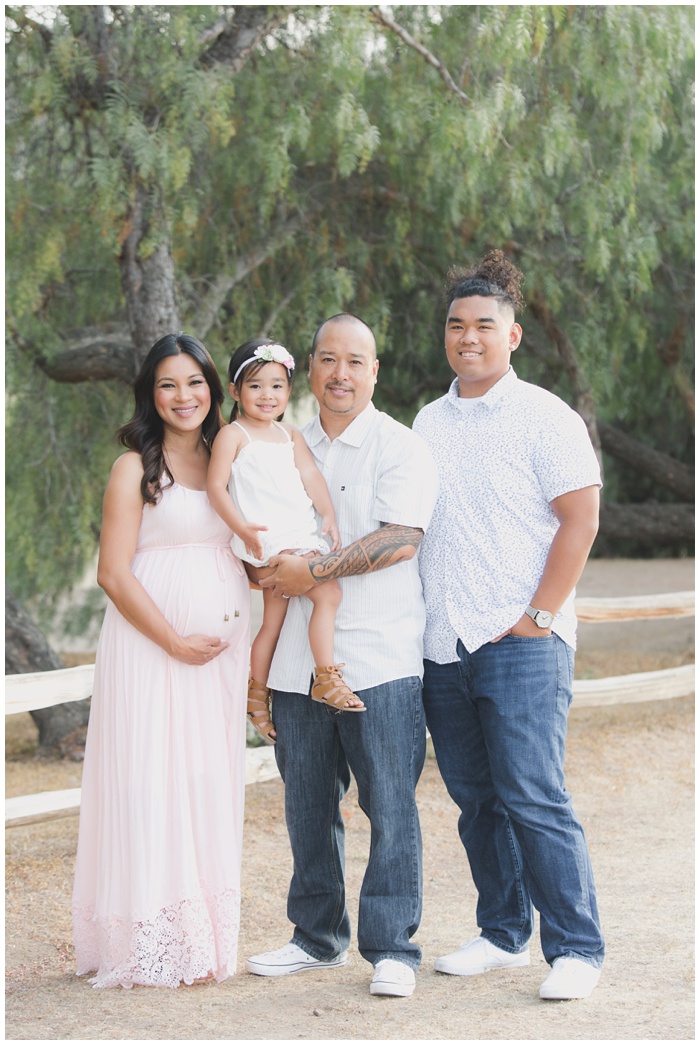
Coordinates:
502	459
377	471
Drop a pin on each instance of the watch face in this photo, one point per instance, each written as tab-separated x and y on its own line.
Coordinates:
542	618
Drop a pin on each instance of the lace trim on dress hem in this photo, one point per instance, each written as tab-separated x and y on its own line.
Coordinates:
187	941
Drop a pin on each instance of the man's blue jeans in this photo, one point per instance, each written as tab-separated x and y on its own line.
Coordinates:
498	720
384	747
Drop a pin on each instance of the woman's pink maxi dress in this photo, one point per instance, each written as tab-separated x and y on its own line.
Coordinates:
156	897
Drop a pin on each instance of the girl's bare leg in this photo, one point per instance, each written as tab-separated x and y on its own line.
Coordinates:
261	654
263	648
326	599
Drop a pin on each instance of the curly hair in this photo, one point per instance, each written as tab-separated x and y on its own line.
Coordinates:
492	277
144	431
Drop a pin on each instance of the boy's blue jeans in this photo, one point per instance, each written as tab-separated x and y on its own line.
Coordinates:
498	719
384	747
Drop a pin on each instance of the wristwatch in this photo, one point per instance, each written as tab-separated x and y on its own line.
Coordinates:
542	618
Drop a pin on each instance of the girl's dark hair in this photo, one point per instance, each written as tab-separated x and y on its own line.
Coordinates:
493	277
244	352
144	431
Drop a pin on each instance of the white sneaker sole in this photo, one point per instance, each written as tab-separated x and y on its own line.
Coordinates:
392	990
444	966
562	994
571	996
259	969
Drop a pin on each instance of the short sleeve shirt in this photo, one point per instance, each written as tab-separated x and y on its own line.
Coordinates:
502	459
377	471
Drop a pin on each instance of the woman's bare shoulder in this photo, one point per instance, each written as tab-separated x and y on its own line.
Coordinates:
126	472
127	465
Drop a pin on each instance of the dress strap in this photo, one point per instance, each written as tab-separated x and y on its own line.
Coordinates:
283	430
243	430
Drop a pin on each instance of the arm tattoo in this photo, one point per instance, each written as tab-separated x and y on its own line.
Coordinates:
377	550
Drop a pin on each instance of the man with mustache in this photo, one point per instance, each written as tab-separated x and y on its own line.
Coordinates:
383	485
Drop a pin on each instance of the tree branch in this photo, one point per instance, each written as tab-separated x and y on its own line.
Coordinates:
384	19
113	355
669	353
231	43
225	282
96	361
269	322
660	467
23	21
583	396
649	523
94	357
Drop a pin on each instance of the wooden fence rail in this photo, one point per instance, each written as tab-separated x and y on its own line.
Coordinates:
636	607
43	689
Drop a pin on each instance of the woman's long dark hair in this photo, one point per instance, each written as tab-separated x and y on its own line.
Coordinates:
144	431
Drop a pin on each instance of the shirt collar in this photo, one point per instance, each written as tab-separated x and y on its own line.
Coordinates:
354	434
494	394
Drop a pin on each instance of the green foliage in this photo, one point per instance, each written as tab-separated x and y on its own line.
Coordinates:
574	151
54	492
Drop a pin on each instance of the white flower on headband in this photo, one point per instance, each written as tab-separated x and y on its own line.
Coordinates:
267	354
274	354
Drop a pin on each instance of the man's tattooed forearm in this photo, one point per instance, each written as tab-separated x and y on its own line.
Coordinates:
381	548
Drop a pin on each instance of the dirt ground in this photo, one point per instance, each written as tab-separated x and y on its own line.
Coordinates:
630	770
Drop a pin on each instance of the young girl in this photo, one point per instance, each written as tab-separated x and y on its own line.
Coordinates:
264	483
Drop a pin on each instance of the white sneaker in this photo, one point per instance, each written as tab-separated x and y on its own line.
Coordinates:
569	978
479	955
393	978
289	959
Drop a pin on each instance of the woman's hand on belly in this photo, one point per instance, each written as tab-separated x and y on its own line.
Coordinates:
198	649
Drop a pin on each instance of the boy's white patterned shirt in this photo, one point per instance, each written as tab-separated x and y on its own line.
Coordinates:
502	459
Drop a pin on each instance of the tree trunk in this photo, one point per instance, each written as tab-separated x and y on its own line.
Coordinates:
148	282
584	402
61	728
660	467
649	524
670	355
111	354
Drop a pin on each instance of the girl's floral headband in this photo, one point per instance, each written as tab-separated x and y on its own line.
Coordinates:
268	354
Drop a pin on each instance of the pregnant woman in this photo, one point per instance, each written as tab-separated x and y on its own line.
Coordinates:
157	886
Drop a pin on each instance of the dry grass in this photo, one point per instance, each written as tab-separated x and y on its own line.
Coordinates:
631	772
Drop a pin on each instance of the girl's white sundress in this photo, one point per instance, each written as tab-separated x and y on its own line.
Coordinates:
156	898
267	488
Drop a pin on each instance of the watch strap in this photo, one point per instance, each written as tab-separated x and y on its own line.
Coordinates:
533	612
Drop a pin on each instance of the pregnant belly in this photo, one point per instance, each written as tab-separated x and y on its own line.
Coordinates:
202	592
